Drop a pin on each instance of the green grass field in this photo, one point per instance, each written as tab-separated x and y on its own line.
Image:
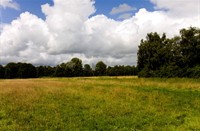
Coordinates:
104	103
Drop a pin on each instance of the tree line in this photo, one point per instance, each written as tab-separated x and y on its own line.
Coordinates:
73	68
159	56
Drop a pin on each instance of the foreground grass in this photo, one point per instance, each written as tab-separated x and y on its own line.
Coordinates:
105	103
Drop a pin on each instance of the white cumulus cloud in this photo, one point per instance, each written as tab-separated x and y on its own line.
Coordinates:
9	4
124	16
121	9
69	31
179	8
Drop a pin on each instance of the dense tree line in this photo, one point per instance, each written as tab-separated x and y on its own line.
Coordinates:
18	70
159	56
119	70
73	68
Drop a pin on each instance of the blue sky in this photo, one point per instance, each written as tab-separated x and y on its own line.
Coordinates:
102	7
105	6
32	6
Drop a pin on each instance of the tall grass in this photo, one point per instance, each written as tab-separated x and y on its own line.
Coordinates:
101	103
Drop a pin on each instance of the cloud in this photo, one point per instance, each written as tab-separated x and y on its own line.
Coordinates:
122	8
179	8
69	31
125	16
24	39
9	4
1	26
65	20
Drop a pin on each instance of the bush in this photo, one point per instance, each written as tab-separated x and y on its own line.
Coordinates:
194	72
145	73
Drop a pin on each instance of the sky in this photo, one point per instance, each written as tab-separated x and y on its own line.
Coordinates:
50	32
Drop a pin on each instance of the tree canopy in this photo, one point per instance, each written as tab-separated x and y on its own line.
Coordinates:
179	56
100	68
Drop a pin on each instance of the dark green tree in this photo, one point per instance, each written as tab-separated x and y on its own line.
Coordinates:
152	52
40	71
26	71
130	70
72	68
175	57
2	72
121	70
87	70
45	71
60	70
76	66
190	46
100	68
11	70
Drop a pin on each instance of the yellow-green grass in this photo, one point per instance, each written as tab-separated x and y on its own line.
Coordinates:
100	103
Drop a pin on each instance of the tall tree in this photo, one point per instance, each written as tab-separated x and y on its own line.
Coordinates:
175	57
151	54
100	68
190	46
77	67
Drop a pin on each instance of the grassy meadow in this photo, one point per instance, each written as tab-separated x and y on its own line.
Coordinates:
100	103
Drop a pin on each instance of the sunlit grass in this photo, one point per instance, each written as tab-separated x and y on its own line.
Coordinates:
101	103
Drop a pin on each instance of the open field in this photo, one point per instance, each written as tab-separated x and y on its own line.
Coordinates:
104	103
